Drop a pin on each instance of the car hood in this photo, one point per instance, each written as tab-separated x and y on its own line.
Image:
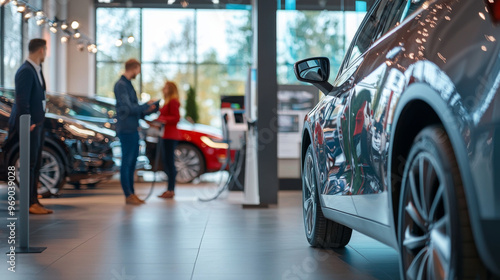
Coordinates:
81	124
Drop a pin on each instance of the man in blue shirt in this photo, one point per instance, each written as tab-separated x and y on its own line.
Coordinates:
128	113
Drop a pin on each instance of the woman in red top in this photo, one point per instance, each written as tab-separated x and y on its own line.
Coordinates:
169	116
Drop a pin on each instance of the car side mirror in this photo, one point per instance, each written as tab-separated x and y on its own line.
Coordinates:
315	70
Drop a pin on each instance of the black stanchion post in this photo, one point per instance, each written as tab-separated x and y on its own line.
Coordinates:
24	186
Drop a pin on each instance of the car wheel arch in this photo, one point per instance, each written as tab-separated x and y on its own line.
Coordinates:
422	99
306	141
62	154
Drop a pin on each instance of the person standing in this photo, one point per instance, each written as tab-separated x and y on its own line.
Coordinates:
30	99
169	116
128	113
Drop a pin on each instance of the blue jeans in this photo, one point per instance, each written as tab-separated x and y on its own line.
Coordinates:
130	151
168	160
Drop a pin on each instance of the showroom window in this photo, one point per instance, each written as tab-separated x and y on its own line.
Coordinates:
14	41
303	34
178	45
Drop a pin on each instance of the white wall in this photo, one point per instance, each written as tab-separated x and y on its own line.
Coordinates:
80	65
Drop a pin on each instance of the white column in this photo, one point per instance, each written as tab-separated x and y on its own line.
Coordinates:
81	64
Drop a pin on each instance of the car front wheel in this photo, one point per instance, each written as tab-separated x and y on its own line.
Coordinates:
434	234
51	172
188	162
320	232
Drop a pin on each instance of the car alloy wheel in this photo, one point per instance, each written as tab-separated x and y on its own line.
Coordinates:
309	195
188	162
51	172
320	231
434	231
427	229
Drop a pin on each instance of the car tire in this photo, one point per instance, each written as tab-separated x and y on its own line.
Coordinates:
189	162
434	232
52	175
320	232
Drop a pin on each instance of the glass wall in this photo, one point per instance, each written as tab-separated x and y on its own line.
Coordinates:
12	44
178	45
211	49
16	35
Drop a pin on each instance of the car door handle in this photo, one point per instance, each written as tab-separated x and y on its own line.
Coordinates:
393	53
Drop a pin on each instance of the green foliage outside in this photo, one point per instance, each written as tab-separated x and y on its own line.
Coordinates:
191	106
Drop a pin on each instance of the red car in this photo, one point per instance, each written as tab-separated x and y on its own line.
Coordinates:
201	150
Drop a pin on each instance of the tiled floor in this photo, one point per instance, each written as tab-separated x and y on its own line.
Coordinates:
94	235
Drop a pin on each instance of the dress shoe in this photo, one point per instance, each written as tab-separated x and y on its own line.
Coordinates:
133	200
167	194
43	206
142	201
39	210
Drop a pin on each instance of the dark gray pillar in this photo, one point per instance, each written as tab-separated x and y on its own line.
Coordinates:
267	88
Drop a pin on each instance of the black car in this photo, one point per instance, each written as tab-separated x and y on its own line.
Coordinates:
75	151
405	145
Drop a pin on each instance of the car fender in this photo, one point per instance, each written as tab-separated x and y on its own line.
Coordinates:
425	93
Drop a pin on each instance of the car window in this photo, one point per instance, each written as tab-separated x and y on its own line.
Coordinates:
381	18
410	7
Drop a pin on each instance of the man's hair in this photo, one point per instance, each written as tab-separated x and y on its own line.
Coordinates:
36	44
131	64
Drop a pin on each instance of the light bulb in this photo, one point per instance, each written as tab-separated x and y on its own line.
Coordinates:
64	26
3	2
40	21
53	29
21	8
28	15
77	35
75	24
170	2
94	50
64	39
130	39
14	3
40	14
119	42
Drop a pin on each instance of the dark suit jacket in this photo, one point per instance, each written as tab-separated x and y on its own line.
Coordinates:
30	95
128	110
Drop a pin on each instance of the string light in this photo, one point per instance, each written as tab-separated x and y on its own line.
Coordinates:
75	24
28	15
28	12
119	43
40	21
130	39
64	39
21	8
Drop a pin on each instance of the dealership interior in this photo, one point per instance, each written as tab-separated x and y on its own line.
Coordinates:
260	155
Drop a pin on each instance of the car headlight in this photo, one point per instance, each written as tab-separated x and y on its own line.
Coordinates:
214	143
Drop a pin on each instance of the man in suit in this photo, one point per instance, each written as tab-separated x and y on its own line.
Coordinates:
128	113
30	99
